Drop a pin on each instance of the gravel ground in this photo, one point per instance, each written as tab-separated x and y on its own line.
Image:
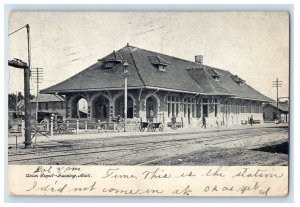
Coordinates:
254	146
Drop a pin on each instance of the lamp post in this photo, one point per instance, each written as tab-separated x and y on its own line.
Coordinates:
125	75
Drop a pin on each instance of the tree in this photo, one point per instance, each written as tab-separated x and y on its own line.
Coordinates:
13	100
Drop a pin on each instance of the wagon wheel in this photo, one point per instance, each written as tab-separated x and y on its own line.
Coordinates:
161	127
106	127
141	128
98	128
120	127
154	126
174	127
150	127
60	129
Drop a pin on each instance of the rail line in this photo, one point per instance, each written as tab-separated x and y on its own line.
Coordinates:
139	147
172	146
95	141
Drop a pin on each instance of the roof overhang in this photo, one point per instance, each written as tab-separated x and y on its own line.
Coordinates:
219	94
253	99
120	88
90	89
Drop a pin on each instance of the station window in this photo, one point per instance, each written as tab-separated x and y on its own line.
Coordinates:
189	107
243	108
173	104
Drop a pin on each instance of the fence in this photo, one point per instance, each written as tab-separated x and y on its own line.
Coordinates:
76	126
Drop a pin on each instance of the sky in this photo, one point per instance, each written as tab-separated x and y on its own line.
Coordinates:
253	45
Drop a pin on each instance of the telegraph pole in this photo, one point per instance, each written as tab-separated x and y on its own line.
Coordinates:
17	111
20	64
277	84
37	74
27	94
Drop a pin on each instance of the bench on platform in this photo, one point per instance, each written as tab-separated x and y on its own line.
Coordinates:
256	121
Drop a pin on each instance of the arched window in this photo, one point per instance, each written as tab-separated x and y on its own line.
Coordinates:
79	108
119	107
151	108
101	108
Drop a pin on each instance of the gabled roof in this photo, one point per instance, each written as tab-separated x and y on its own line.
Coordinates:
48	98
143	74
180	75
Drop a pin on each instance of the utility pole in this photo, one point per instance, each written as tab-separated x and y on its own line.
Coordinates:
20	64
37	75
125	74
27	94
17	111
277	84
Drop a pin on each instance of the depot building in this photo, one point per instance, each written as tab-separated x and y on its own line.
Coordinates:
159	87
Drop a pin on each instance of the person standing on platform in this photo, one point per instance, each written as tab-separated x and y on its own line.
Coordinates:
203	122
251	120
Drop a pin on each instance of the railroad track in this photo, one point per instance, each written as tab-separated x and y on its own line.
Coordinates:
181	143
132	149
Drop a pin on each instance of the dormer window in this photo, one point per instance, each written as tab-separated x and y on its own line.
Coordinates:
109	64
159	63
214	74
216	78
238	80
111	60
162	68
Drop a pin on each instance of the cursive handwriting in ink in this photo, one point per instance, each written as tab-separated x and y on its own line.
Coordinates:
186	191
41	169
132	191
183	175
89	188
112	173
245	188
157	173
257	174
213	172
48	188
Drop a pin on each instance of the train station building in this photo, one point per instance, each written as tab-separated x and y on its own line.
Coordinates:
159	87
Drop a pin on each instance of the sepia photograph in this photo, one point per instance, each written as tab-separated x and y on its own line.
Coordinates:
149	89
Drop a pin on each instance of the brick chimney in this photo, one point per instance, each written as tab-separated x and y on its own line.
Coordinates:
199	59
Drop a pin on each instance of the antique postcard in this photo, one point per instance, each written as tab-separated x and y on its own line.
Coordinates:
148	103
